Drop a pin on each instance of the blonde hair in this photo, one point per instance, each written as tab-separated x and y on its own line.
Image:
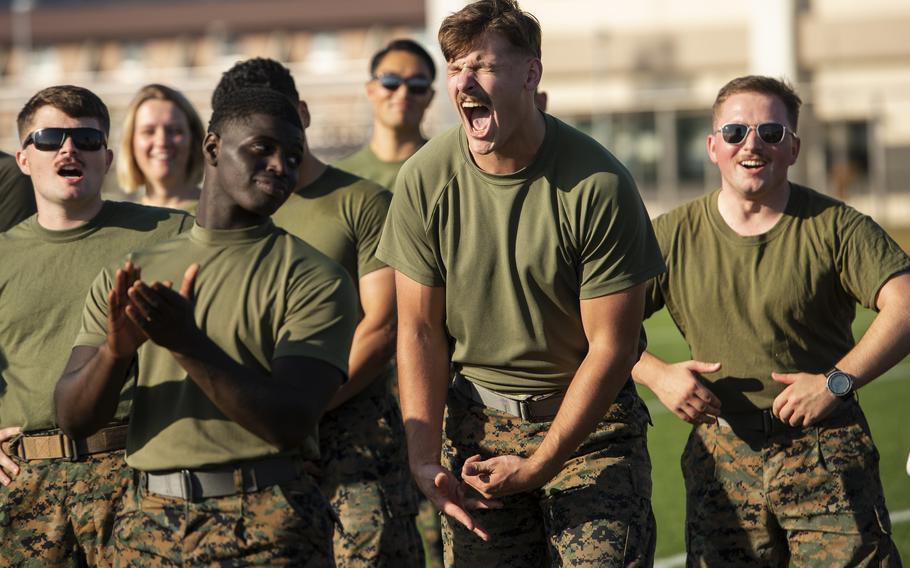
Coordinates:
129	175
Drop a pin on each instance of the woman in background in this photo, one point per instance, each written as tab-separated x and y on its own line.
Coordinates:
161	149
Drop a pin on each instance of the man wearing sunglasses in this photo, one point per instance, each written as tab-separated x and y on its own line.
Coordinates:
59	491
763	277
400	89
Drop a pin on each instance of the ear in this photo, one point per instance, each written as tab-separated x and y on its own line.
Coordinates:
535	72
22	162
304	114
108	159
794	149
211	146
711	144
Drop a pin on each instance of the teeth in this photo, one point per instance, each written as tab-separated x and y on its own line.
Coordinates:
470	104
753	163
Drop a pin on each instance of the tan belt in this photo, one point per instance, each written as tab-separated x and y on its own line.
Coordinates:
57	445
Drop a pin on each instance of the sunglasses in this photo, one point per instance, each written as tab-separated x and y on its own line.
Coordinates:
769	132
52	139
417	85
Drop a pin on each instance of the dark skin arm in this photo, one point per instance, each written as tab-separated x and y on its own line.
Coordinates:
279	408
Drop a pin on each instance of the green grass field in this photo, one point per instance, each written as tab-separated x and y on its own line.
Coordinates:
883	402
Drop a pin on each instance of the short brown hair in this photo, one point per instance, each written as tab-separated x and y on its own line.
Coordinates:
460	30
76	102
765	86
129	175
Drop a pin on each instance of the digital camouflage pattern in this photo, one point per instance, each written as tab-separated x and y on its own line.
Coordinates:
365	475
286	525
595	512
812	497
53	504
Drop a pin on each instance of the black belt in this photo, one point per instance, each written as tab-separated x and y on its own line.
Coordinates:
540	408
247	477
765	422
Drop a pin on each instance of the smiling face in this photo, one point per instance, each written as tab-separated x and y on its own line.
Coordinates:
492	86
754	169
257	160
161	143
67	175
399	109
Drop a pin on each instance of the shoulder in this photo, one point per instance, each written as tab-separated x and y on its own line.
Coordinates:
438	158
688	218
354	158
144	217
354	186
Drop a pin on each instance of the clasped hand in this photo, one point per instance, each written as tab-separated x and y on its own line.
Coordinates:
138	311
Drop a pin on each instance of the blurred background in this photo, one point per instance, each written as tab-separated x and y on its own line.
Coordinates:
638	76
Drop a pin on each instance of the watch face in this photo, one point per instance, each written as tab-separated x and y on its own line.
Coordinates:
839	383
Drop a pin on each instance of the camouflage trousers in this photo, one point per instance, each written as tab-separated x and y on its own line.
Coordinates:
286	525
55	510
812	496
365	475
596	512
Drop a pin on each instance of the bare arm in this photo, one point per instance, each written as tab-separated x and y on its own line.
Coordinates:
374	338
806	400
612	324
423	383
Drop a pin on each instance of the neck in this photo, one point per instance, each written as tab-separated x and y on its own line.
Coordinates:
752	216
217	213
310	170
70	215
391	145
519	151
161	194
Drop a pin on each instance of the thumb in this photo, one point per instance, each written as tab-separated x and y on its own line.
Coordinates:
704	367
189	281
785	378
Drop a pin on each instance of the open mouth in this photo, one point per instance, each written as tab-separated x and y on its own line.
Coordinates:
272	186
753	164
70	172
478	116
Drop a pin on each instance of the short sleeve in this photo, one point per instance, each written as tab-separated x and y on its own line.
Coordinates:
867	258
406	244
369	230
93	332
320	316
618	249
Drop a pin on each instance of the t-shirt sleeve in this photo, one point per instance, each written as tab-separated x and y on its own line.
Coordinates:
867	258
406	244
372	217
654	295
618	249
320	316
93	332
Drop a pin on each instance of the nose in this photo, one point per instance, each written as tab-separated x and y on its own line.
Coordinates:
466	80
160	138
67	147
752	139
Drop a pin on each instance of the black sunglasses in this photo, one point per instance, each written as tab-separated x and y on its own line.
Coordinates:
417	85
769	132
52	139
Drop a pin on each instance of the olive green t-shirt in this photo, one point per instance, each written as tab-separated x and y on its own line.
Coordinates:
341	215
781	301
44	277
17	198
517	252
364	163
260	294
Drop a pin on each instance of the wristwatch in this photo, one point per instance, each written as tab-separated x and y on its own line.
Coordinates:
840	383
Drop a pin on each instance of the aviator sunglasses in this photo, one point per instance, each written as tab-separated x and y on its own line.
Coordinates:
769	132
417	85
50	139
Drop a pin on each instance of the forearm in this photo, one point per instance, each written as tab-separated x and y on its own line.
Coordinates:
371	351
423	376
88	392
599	378
885	343
276	411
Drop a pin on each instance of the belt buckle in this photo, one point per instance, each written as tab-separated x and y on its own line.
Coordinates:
524	411
186	484
70	443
